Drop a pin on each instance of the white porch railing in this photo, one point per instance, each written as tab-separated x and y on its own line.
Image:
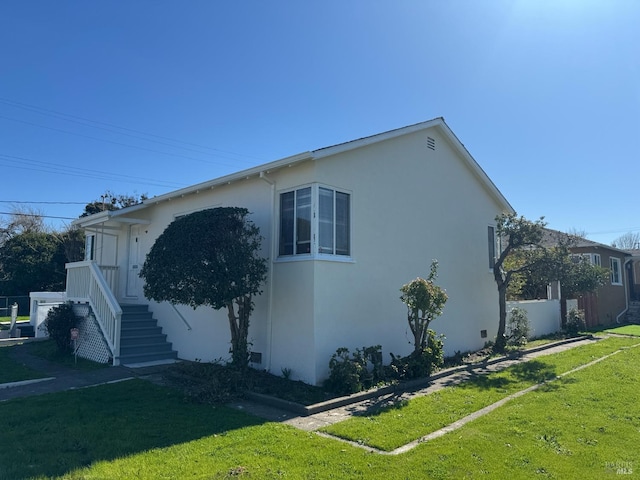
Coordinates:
87	283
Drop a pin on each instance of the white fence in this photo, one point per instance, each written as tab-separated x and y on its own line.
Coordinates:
543	315
41	303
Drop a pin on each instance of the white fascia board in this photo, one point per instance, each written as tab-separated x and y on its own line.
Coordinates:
234	177
445	130
476	168
110	215
363	142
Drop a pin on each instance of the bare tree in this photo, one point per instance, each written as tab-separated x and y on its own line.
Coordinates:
22	219
628	241
577	233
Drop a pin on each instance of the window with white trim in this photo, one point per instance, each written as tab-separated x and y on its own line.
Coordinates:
315	220
614	265
592	258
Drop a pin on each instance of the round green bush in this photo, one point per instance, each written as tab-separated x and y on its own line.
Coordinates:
59	322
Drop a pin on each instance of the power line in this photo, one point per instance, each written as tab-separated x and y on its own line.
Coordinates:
37	215
45	203
60	130
83	121
59	169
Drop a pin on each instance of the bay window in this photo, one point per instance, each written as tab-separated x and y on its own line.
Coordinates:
315	220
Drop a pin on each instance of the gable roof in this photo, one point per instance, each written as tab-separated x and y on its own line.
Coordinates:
262	170
551	238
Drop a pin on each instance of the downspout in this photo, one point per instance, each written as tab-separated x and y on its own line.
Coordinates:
626	292
264	177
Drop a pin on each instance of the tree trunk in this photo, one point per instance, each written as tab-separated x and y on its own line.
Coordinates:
415	329
239	326
501	340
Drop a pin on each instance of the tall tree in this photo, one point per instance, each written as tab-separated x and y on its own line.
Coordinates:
210	258
522	241
32	262
111	201
627	241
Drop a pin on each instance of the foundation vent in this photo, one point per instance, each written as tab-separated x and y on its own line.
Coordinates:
255	357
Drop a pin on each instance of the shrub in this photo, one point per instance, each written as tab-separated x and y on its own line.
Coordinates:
354	373
59	322
419	364
519	329
575	322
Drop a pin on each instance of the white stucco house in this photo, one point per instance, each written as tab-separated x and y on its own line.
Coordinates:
344	228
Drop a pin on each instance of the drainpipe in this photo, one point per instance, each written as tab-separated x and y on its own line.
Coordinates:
264	177
626	292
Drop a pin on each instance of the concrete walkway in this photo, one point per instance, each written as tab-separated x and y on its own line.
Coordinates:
453	376
59	378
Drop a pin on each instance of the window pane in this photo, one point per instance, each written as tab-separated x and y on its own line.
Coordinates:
286	223
343	221
615	270
89	247
491	234
303	220
325	221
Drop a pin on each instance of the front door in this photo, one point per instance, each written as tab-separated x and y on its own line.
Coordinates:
133	261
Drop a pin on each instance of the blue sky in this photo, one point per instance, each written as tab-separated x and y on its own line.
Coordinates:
150	96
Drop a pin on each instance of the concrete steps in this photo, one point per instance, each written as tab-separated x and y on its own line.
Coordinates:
141	339
633	313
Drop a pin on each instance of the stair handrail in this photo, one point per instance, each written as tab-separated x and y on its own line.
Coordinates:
184	320
95	290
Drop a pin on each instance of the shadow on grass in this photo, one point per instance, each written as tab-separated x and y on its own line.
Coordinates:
379	405
533	371
47	350
51	435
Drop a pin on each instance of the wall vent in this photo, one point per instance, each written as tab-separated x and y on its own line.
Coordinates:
431	143
483	334
255	357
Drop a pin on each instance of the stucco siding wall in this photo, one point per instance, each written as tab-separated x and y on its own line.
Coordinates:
293	337
543	315
409	205
209	337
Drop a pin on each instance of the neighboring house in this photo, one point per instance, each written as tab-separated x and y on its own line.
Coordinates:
610	302
634	274
344	228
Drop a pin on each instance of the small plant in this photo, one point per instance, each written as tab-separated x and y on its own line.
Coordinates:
286	373
419	364
354	373
575	322
519	328
59	322
425	301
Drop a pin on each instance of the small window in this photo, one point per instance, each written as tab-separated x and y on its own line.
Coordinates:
90	247
614	264
596	260
491	239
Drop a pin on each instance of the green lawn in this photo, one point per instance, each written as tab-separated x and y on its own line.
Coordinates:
626	330
402	423
11	371
583	426
20	318
48	350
